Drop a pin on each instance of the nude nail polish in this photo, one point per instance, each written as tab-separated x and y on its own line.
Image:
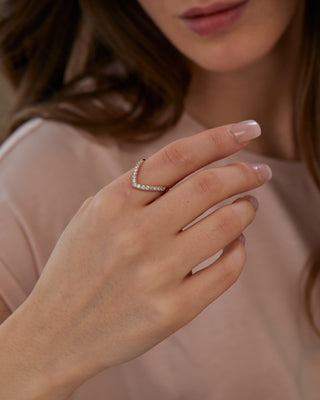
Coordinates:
263	170
253	200
245	131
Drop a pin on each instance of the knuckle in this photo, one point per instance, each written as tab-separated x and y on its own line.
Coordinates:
247	171
85	204
97	211
228	220
178	154
87	201
218	139
90	210
208	181
98	204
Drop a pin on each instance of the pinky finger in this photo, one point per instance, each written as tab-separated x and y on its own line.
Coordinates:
199	290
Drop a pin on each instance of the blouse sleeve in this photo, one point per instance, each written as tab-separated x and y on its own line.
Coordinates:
47	170
18	273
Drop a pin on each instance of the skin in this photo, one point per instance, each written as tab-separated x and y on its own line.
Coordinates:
244	72
235	67
135	286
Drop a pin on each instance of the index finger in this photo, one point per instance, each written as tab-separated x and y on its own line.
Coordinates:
186	155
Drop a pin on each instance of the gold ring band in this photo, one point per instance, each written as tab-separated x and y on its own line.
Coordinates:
140	186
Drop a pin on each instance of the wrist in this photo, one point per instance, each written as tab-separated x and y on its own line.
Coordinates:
28	368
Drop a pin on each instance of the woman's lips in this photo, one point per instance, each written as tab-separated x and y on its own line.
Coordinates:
204	21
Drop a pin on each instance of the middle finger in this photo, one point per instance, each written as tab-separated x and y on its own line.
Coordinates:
189	199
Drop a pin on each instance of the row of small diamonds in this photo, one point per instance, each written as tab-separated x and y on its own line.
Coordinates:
144	187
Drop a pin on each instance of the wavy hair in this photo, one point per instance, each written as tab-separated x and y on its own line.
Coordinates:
103	72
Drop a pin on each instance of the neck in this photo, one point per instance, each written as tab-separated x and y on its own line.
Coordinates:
264	91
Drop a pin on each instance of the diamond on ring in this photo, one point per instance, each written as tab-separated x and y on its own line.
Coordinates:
144	186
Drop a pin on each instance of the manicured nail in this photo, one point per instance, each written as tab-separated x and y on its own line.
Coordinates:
263	170
242	239
244	131
252	200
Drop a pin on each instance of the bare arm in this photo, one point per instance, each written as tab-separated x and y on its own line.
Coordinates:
23	373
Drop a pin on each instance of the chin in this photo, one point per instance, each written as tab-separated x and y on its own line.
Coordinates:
231	54
243	42
265	27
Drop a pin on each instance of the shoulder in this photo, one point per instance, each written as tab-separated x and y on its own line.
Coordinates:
33	135
47	170
36	201
51	155
35	143
38	139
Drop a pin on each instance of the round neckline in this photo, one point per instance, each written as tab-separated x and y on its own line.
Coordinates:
251	154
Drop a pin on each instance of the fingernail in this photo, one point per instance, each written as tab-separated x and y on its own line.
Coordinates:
263	170
244	131
252	200
242	239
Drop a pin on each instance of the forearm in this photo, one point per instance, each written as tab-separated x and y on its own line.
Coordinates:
28	368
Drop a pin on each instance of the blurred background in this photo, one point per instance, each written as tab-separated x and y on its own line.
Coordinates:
6	99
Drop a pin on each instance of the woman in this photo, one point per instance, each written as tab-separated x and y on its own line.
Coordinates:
114	289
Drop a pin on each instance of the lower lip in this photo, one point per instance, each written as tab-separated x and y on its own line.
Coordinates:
213	23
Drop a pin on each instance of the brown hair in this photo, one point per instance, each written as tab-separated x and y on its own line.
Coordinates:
110	50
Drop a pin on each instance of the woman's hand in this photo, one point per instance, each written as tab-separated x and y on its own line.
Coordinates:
119	279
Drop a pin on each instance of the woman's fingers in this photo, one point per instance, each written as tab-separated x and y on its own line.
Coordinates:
199	290
184	156
192	197
213	233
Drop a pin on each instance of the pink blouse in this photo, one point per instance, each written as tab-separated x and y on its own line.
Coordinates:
253	342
